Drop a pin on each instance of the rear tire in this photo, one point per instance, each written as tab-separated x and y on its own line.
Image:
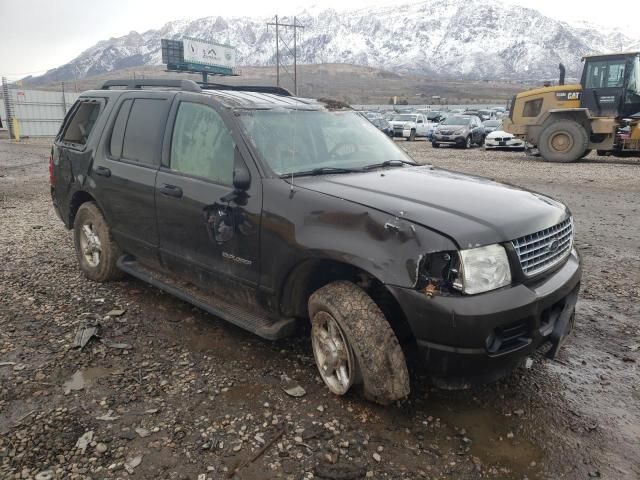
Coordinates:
586	152
412	136
435	144
351	335
563	141
96	250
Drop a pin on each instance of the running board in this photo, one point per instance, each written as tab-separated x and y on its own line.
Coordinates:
254	322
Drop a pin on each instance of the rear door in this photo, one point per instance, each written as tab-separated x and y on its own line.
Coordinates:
202	236
125	171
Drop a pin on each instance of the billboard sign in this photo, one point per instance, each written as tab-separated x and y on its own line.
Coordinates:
208	53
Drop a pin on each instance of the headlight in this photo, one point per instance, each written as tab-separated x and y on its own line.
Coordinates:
484	269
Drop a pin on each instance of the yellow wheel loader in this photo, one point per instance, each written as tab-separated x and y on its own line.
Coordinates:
566	122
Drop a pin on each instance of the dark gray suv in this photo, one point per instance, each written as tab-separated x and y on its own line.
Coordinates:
461	131
280	215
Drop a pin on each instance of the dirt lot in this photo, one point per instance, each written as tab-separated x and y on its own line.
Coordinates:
171	392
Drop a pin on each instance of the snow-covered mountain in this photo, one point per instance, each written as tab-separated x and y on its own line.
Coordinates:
474	39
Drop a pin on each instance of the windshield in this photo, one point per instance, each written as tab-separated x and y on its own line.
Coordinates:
431	115
404	118
456	121
300	140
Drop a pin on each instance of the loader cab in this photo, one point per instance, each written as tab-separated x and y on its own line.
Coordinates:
611	85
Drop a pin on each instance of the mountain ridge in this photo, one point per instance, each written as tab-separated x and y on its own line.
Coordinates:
466	39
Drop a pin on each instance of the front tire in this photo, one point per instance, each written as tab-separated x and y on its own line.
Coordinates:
563	141
412	136
435	144
353	344
97	252
467	143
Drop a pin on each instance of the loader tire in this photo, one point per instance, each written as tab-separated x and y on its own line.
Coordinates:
563	141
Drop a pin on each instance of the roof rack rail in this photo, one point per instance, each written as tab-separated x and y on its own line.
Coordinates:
186	85
247	88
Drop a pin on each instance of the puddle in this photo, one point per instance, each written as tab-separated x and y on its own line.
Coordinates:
489	432
86	377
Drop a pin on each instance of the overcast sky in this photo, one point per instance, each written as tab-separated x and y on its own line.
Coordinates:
42	34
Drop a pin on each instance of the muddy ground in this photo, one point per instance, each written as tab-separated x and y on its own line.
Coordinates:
171	392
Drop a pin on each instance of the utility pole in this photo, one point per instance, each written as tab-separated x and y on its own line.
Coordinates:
285	41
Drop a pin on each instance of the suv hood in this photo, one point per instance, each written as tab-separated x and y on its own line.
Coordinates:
473	211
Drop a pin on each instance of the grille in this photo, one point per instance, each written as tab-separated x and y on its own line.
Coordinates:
542	250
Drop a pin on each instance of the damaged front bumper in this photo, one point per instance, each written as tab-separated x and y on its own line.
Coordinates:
467	340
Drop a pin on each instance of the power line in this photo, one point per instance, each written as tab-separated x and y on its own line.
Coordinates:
294	53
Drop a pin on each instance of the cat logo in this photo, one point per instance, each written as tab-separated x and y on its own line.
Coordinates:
563	96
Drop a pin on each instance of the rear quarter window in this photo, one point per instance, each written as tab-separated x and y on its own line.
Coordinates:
81	123
532	108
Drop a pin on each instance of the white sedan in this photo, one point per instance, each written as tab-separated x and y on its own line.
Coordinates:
501	139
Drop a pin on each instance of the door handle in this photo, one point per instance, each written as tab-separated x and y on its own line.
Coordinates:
171	190
103	171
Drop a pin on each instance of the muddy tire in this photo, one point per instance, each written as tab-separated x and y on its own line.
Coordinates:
563	141
96	250
354	345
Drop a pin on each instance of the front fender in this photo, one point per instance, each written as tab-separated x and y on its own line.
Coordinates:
307	225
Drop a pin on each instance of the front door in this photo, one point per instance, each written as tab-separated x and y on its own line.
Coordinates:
603	83
211	240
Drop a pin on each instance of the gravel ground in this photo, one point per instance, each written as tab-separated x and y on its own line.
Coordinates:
167	391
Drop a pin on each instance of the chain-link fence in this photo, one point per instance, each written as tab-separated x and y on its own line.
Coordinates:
33	113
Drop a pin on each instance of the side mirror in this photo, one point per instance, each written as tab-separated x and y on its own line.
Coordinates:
241	178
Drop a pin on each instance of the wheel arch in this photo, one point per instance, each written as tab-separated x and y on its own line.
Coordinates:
311	274
77	199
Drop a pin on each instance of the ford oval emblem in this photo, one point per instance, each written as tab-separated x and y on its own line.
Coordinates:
553	246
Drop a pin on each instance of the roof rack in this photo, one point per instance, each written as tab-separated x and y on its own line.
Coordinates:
186	85
247	88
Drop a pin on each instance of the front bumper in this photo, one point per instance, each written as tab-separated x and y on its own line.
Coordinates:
466	340
449	139
501	143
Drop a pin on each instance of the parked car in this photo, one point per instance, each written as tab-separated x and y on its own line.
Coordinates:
409	126
486	114
271	213
460	130
383	125
502	139
436	116
491	125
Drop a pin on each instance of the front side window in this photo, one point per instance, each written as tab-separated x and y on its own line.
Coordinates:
605	74
202	144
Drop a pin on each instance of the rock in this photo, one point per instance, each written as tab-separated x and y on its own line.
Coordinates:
340	471
320	408
116	312
143	432
377	457
84	441
45	475
101	448
39	377
132	463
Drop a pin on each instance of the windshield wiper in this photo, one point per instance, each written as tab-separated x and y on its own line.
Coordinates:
320	171
390	163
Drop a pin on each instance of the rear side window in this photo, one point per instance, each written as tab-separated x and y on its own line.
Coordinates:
138	130
82	123
532	108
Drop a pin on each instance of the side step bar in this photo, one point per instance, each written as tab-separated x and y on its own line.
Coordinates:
253	322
